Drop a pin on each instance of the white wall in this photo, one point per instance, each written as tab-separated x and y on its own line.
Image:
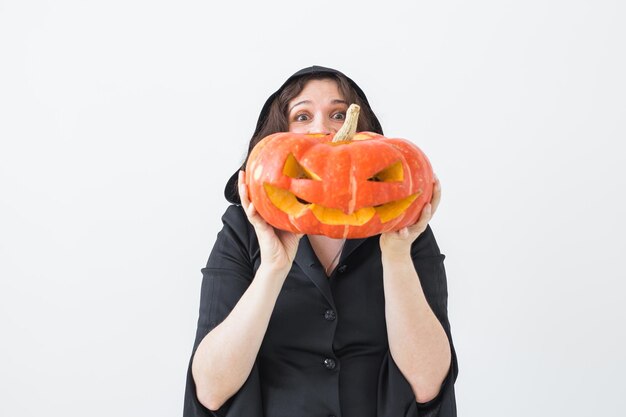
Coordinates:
120	121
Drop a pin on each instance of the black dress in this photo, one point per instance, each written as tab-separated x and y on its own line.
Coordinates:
325	352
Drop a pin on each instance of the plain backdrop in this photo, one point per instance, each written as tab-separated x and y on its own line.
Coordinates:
120	122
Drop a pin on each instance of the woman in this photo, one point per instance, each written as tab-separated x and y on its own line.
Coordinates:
299	326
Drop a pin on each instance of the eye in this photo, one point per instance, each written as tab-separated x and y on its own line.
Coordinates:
339	115
393	172
301	117
293	169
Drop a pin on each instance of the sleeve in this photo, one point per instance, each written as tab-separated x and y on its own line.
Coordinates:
228	273
395	395
428	261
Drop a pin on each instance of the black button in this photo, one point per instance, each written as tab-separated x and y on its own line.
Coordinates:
330	315
342	269
329	363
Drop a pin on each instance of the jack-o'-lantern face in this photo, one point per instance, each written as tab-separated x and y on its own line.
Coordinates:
367	185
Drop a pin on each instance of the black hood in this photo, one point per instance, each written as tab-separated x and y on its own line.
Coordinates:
230	192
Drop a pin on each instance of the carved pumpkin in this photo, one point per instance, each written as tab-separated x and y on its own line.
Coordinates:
346	185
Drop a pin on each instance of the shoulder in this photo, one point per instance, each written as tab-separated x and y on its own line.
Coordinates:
426	245
235	219
234	216
236	243
237	229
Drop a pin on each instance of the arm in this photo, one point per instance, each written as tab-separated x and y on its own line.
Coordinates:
225	356
417	340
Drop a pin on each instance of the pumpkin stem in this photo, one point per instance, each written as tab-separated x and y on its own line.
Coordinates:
349	126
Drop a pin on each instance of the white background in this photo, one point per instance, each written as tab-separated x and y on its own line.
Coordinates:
120	122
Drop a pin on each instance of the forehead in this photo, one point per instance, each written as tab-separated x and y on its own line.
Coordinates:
319	90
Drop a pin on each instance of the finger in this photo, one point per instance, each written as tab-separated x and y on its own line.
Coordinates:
436	197
251	210
425	217
247	205
284	235
400	233
259	224
243	190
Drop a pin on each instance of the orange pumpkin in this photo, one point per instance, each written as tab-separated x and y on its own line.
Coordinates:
343	185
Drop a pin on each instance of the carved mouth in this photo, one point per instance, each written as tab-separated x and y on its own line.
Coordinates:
294	206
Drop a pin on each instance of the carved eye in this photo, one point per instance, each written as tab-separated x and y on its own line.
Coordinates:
293	169
393	172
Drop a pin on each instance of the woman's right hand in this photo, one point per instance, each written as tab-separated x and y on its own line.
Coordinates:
278	247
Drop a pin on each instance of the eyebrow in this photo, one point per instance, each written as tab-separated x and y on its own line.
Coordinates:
335	101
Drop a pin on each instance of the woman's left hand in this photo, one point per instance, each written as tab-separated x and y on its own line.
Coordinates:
401	240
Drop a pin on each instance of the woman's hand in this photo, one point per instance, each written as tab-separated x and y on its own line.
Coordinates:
400	241
278	248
